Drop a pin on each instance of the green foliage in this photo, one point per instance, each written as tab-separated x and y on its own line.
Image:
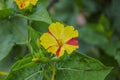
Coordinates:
14	33
5	13
25	70
84	68
33	36
91	37
40	14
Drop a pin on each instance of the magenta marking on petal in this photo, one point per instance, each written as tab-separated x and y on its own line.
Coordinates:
58	51
72	41
49	47
53	36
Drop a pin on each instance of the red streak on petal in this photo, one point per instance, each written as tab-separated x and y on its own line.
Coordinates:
53	36
21	5
49	31
73	42
58	51
49	47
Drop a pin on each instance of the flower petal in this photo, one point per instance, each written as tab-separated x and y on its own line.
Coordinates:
69	33
56	29
69	48
52	49
73	42
47	40
33	2
60	51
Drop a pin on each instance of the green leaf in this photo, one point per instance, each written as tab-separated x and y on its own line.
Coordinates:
12	31
26	61
2	5
45	2
2	77
16	53
5	65
4	47
111	48
10	4
20	30
114	11
91	37
40	14
39	26
5	13
33	36
117	57
81	67
104	21
25	69
88	6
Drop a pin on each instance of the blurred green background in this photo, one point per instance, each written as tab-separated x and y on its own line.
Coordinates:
97	21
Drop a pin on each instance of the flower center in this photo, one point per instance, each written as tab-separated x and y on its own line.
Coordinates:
22	5
60	43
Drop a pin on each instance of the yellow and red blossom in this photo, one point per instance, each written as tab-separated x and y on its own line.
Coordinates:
59	39
25	3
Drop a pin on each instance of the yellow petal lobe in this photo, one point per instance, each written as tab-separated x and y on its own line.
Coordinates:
56	29
70	48
69	33
47	40
53	49
33	2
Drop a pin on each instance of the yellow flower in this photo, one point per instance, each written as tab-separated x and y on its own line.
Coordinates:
59	39
25	3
